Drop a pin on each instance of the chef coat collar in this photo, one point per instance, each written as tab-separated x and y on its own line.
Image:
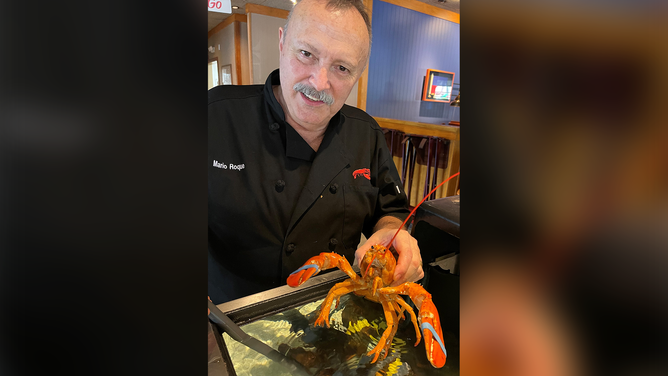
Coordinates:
295	145
277	113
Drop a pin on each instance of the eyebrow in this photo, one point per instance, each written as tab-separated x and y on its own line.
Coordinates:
310	48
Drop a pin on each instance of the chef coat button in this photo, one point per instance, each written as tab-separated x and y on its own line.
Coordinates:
280	184
333	188
291	248
274	127
332	244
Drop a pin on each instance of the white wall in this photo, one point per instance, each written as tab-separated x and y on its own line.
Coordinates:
264	42
245	69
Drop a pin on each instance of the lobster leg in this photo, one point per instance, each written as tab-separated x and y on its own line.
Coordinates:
386	339
400	310
320	262
430	322
335	292
408	308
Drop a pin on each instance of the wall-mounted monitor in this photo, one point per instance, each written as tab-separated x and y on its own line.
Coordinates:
438	86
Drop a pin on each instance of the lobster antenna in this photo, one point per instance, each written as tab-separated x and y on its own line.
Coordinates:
415	208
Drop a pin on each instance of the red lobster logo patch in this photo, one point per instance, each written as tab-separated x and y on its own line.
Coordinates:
362	172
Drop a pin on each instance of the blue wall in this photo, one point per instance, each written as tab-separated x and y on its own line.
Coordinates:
405	44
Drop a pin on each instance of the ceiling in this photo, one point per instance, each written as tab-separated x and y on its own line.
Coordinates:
216	18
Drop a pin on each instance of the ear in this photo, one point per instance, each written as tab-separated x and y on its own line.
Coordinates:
280	39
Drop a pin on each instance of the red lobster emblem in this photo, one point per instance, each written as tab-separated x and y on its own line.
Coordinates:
362	172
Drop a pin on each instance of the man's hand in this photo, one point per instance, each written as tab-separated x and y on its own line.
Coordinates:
409	263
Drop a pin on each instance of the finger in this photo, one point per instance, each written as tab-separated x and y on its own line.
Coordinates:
414	270
398	282
405	252
417	261
414	273
418	275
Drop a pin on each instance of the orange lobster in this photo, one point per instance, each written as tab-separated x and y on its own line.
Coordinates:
378	264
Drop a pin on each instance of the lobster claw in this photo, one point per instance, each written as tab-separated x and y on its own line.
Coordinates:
302	274
317	263
432	334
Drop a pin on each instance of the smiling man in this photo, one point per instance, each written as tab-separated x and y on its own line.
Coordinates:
321	59
316	172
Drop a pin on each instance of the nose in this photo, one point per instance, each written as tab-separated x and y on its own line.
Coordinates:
319	79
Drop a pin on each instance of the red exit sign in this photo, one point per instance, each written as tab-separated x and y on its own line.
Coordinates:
221	6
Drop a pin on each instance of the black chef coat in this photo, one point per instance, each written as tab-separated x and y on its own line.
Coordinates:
274	202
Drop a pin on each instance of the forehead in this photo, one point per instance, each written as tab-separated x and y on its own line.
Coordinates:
326	29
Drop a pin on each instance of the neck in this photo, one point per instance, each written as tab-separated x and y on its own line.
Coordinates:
313	137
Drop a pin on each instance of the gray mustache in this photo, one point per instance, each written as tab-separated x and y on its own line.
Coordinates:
313	93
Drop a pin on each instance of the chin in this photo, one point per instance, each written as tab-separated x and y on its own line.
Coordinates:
307	116
307	122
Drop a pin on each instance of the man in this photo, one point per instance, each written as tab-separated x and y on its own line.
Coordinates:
294	172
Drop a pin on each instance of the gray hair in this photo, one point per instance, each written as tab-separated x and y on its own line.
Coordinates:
341	5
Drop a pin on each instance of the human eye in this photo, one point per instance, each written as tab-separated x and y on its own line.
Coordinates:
342	69
305	53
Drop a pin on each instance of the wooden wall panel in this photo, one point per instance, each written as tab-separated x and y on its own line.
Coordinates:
364	79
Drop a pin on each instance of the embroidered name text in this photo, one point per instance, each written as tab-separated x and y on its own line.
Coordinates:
231	166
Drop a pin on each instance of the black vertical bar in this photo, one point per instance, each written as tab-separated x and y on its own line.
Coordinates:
435	179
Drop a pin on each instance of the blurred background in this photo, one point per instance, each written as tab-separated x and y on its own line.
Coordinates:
564	188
